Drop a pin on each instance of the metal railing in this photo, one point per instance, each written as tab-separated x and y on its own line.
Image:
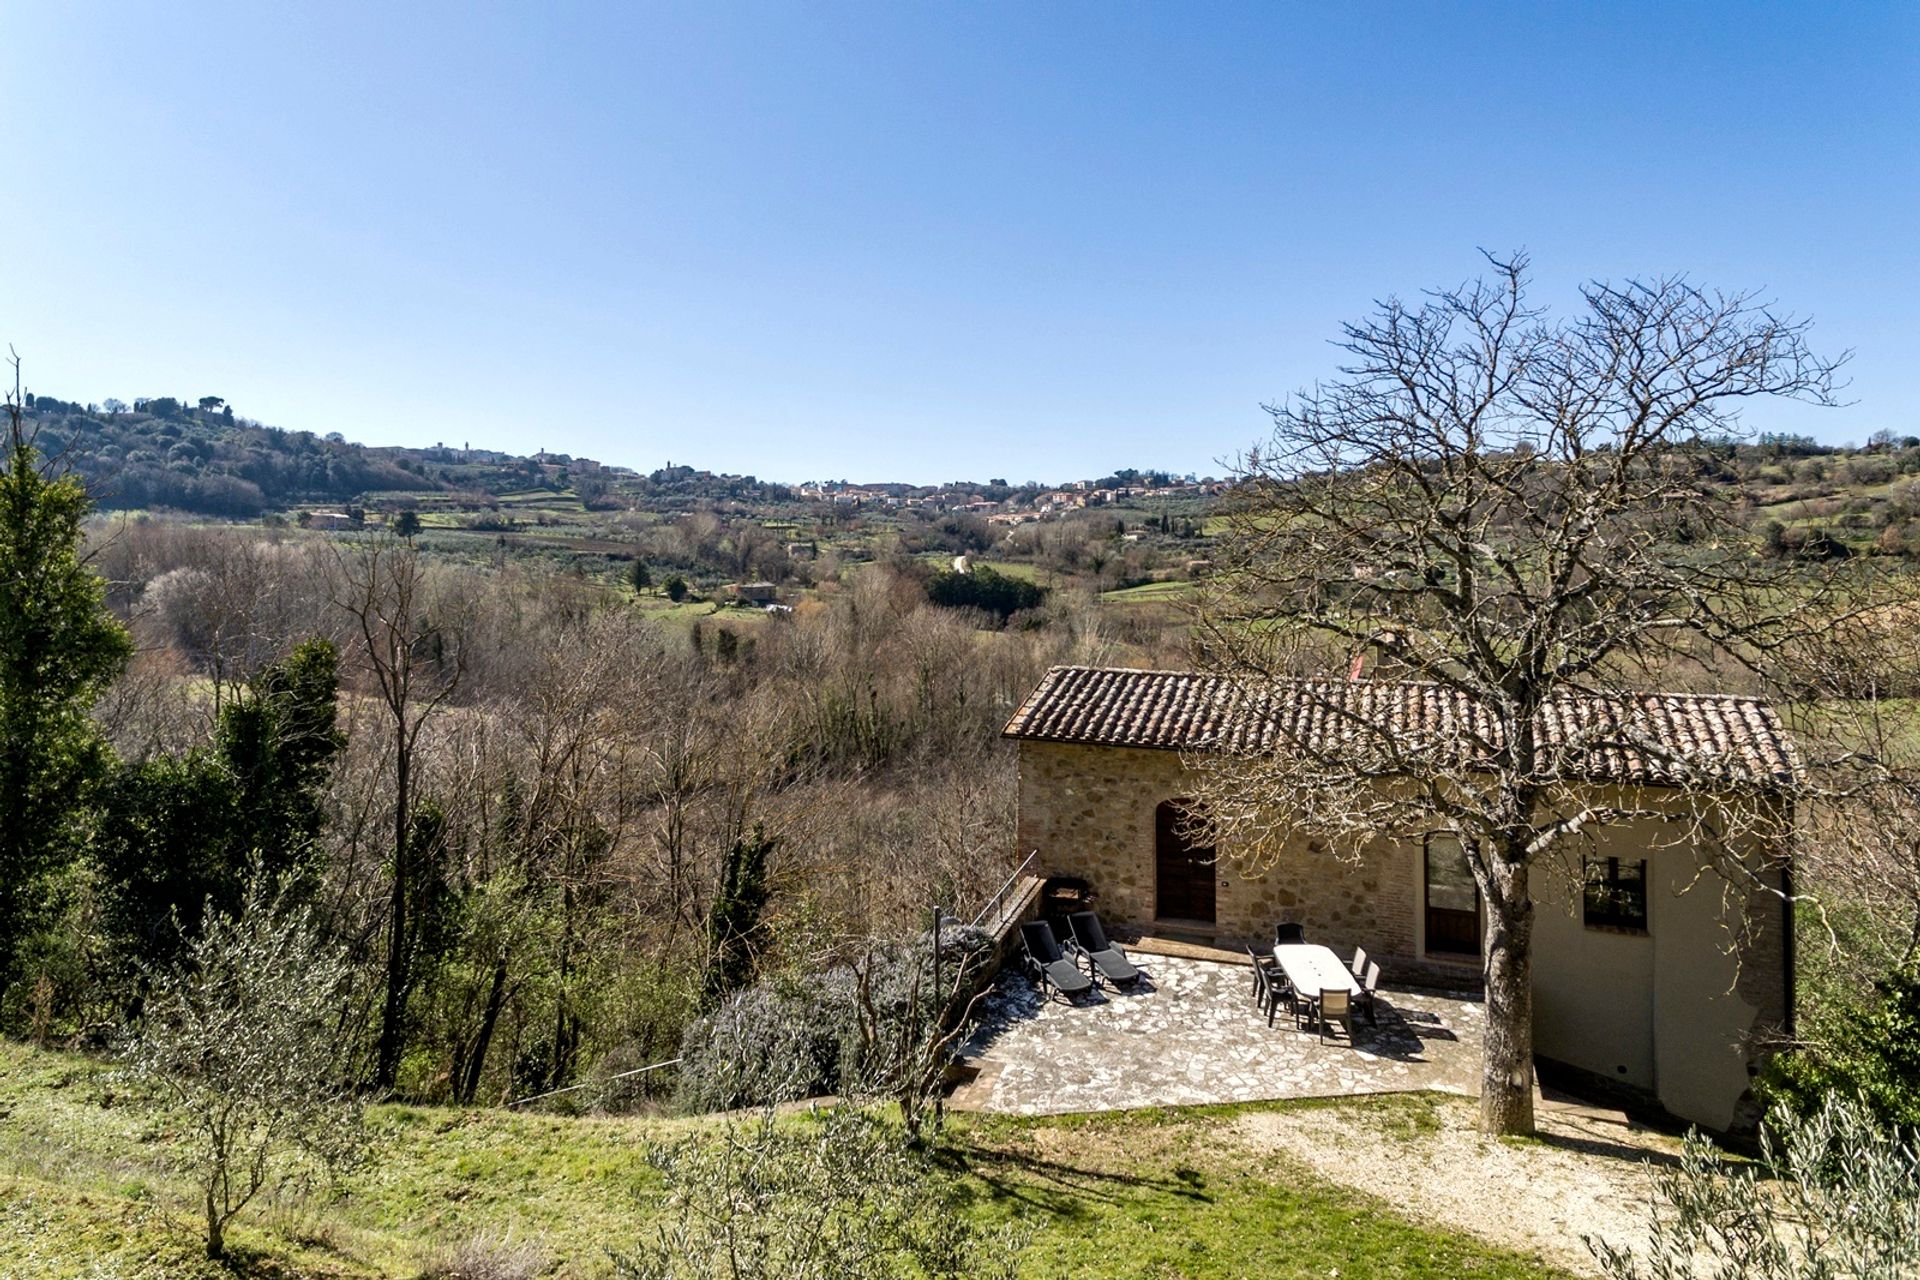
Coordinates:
637	1071
997	903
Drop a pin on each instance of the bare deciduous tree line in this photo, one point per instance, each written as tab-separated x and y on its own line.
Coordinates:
539	786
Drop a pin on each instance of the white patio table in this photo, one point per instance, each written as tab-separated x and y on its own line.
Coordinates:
1312	968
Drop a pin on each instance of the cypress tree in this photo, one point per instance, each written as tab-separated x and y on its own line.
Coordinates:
59	650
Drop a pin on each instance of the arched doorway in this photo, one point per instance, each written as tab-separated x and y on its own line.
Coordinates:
1183	877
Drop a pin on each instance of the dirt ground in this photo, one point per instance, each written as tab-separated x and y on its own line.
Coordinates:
1585	1174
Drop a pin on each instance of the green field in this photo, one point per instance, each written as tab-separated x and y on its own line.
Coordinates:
1021	569
1008	568
85	1192
689	612
1149	593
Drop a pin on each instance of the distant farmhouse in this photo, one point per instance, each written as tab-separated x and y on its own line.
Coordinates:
1637	979
761	593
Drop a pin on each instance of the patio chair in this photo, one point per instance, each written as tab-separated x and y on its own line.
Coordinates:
1270	985
1259	971
1359	965
1048	965
1335	1005
1289	933
1091	940
1364	1001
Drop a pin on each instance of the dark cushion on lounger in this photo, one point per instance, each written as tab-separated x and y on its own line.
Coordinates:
1067	978
1050	962
1086	927
1114	967
1109	959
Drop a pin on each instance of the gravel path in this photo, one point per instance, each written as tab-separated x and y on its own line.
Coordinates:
1585	1175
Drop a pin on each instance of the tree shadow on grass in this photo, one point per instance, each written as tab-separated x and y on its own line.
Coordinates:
1055	1187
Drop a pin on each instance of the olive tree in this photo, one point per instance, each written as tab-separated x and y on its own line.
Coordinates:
832	1197
240	1040
1519	510
1834	1196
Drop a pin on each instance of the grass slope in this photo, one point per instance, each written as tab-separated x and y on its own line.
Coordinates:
85	1192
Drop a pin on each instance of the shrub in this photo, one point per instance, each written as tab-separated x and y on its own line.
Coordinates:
238	1040
487	1257
1832	1196
811	1200
761	1045
781	1040
1873	1054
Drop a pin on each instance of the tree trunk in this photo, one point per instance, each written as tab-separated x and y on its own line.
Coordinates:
216	1233
566	1028
1506	1072
469	1083
393	1013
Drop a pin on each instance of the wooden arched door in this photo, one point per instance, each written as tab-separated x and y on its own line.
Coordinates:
1182	868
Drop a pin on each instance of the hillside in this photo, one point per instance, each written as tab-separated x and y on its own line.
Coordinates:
85	1192
201	458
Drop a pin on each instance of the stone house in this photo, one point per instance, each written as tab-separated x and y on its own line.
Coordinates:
1644	975
761	593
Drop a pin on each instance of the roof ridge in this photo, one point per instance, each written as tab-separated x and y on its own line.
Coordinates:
1335	680
1588	731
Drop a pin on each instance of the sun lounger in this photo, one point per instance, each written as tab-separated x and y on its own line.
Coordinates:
1047	964
1105	956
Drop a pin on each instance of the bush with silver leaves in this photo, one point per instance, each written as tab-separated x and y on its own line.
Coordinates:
1834	1196
784	1039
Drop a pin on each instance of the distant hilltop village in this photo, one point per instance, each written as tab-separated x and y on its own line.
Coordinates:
1003	504
199	456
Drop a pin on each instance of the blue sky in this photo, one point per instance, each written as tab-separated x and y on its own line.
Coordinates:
909	241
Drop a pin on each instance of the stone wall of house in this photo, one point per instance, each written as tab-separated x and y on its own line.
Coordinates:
1673	1012
1089	812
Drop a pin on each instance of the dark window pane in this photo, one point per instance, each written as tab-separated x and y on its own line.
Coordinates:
1449	881
1616	893
1452	899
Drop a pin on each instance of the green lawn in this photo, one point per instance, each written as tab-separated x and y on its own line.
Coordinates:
84	1192
718	611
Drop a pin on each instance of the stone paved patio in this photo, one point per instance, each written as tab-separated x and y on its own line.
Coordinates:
1190	1034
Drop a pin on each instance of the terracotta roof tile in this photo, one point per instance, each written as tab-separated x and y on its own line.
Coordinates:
1657	739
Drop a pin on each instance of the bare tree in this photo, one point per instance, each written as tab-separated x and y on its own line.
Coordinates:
415	660
1518	510
1858	855
905	1038
223	612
